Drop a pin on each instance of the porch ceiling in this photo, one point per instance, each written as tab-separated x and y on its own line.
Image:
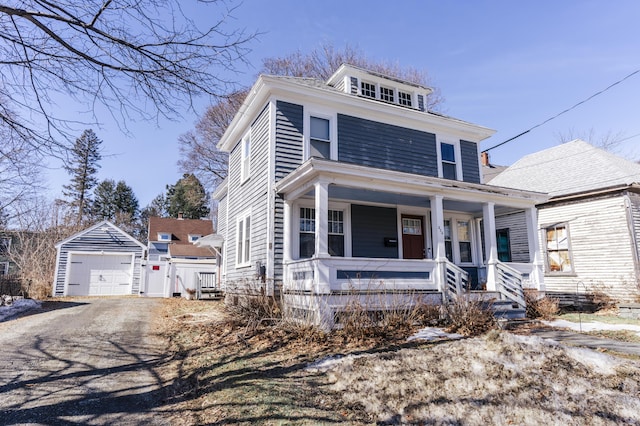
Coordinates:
366	184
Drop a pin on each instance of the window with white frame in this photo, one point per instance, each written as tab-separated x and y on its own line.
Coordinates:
164	236
4	268
320	137
386	94
307	232
464	241
404	98
194	237
243	241
245	156
448	156
368	89
307	229
336	233
558	249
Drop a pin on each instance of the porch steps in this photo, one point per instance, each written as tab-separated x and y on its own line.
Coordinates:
211	294
506	310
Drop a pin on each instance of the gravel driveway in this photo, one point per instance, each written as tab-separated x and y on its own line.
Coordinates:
92	361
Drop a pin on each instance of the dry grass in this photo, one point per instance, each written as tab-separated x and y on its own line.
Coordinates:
545	308
231	376
469	317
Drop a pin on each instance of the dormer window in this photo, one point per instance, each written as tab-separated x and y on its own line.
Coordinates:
368	89
194	237
164	236
404	98
386	94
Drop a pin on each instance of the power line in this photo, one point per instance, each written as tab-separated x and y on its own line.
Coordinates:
563	112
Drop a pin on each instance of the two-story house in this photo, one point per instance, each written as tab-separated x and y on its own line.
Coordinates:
350	188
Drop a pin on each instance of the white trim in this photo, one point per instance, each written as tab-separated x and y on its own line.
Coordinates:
241	218
98	225
245	156
424	213
271	195
454	218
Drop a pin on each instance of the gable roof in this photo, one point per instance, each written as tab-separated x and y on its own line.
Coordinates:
107	227
180	229
569	168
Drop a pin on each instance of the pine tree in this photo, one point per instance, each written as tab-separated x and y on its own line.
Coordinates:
188	197
83	167
116	203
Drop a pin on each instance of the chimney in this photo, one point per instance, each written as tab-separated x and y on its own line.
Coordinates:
484	156
180	216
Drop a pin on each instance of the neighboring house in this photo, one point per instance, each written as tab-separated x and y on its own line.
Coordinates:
590	226
177	265
7	267
166	232
102	260
351	188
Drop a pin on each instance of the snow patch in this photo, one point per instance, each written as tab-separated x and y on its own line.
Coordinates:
17	307
434	333
591	326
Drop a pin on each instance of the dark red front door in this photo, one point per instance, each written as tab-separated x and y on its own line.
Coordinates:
412	237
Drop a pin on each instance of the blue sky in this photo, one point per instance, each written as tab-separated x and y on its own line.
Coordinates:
506	65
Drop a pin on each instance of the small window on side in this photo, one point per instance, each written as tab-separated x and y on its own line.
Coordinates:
448	154
320	139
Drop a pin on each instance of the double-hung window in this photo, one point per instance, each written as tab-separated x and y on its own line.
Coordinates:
448	247
504	246
320	139
307	231
464	240
448	153
5	246
243	240
245	157
558	249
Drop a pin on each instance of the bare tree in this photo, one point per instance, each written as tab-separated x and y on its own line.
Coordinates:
608	141
199	155
139	59
33	250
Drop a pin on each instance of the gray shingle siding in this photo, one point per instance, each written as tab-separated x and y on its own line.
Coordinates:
386	146
518	238
96	241
369	227
470	164
252	195
288	146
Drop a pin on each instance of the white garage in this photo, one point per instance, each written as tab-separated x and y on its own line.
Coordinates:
100	261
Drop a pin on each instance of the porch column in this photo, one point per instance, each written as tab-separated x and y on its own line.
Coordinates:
287	231
535	257
437	233
490	243
322	278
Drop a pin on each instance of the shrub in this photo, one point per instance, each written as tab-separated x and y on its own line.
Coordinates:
540	307
469	317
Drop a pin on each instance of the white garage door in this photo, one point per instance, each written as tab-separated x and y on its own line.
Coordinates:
99	275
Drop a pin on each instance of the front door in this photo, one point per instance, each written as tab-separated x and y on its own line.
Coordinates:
413	237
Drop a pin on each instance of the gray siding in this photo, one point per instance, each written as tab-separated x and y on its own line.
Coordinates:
386	146
635	225
251	194
369	226
518	239
288	146
470	164
98	240
222	218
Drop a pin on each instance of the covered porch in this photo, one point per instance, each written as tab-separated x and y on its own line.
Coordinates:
355	231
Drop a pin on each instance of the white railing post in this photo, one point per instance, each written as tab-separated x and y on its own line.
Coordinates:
439	252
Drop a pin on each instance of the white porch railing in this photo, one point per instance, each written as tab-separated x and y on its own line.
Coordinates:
457	280
330	274
509	284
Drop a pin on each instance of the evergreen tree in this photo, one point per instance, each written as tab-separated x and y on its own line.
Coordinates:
157	208
188	197
112	200
83	167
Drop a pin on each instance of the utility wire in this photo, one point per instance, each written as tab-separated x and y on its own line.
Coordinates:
563	112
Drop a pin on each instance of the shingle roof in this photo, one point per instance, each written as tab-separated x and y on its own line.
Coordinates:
569	168
180	229
189	250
